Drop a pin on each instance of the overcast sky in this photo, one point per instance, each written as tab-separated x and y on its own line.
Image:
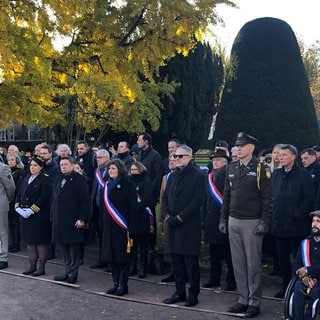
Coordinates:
301	15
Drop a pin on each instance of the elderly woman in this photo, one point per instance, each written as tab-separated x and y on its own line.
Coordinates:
119	214
18	174
33	204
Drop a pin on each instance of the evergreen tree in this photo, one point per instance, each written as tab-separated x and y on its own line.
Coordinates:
189	114
267	93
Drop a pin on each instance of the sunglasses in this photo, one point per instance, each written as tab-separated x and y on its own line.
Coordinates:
180	156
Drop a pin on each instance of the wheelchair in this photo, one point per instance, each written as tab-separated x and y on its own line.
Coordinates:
288	302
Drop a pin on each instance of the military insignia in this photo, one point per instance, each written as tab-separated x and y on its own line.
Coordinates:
240	134
268	172
9	176
252	173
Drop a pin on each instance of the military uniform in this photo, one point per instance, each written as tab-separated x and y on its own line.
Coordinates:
247	206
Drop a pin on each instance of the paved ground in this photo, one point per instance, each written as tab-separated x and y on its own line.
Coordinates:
23	297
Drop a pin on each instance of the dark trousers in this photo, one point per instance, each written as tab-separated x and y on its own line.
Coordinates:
120	273
140	246
286	247
71	255
14	230
218	253
186	269
299	300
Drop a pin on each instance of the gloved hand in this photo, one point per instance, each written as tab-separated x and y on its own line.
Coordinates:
223	226
262	228
20	211
27	212
174	222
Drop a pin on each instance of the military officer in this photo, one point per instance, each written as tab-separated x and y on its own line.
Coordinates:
246	211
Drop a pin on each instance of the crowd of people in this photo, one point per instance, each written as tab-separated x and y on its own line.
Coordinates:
241	206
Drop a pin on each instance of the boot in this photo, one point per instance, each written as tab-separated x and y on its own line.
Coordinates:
133	270
142	271
32	268
113	289
122	289
143	262
41	270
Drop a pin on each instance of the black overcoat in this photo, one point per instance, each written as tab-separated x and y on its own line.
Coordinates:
143	188
212	210
69	204
184	196
114	238
37	194
293	201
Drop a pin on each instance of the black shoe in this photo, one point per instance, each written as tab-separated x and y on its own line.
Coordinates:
29	271
3	264
211	284
174	299
238	308
168	279
98	265
113	289
280	294
231	287
191	302
14	249
121	290
64	277
133	271
38	273
252	311
72	280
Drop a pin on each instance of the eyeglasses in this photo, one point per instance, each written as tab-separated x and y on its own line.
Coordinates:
180	156
101	157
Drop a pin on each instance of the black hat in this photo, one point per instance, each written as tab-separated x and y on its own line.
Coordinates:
315	213
243	138
219	154
39	161
222	143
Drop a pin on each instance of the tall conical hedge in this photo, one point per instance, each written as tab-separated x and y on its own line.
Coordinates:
267	94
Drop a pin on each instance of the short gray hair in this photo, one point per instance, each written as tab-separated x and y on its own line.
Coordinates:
103	152
186	148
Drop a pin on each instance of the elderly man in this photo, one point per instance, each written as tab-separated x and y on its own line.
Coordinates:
97	204
307	267
7	189
293	192
180	208
247	207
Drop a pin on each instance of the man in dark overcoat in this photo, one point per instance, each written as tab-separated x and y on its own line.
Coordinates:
69	212
181	202
293	191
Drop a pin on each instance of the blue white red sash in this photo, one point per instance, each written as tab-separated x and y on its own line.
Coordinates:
149	212
215	193
116	216
151	219
99	178
306	258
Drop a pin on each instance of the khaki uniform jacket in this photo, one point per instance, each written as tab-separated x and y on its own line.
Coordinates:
248	195
7	187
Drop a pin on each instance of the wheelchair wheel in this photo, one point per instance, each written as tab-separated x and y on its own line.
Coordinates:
287	307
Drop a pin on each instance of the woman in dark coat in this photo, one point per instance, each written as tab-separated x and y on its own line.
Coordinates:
219	248
33	204
69	212
18	174
120	194
144	224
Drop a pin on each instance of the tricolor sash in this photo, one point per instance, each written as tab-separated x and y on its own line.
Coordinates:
148	211
214	191
305	252
99	178
116	216
168	175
